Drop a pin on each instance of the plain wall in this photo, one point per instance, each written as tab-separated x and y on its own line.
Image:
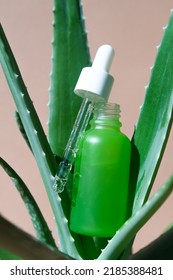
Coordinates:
134	29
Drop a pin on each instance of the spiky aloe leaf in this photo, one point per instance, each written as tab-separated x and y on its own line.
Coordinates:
42	230
153	127
69	55
38	141
128	231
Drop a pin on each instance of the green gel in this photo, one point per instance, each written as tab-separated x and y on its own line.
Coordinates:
101	175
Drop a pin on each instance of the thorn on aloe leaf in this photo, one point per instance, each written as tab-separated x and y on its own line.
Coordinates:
165	27
21	129
158	46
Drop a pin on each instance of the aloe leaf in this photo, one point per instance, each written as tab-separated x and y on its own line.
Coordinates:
69	36
128	231
6	255
69	55
153	127
38	221
38	141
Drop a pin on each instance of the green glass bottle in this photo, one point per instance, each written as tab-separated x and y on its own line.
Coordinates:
101	175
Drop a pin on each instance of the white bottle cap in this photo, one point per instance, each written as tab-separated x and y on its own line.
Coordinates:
95	82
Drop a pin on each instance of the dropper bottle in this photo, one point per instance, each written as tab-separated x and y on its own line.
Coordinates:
101	175
94	86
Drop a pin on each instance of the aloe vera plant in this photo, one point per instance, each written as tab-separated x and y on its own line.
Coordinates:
153	125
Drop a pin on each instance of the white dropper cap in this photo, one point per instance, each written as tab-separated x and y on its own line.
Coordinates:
95	82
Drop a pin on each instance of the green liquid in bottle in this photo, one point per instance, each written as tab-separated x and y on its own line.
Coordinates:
100	189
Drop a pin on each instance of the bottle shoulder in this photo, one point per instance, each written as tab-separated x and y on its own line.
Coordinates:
97	135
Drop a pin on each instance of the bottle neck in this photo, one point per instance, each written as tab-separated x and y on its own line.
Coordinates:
106	114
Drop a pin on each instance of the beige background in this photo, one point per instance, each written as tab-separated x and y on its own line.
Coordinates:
133	28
